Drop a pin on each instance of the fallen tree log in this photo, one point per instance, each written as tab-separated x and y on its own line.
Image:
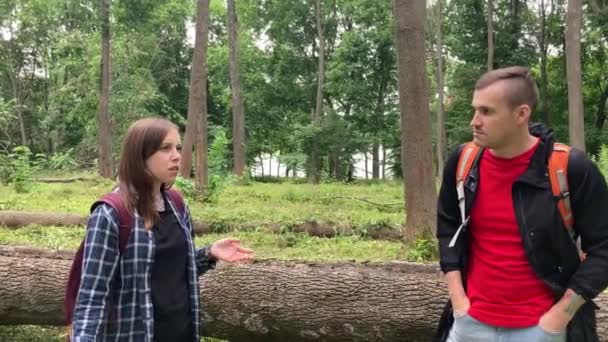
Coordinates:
66	180
267	300
17	219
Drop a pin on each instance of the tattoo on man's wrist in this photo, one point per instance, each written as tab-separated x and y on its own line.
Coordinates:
574	303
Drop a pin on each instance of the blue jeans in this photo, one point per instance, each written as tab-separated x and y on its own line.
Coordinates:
468	329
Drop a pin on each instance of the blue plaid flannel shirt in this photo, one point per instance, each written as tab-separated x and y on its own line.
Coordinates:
114	302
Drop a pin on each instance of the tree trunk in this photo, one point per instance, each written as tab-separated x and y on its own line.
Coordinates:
202	166
270	164
576	120
262	164
316	154
262	301
366	167
238	111
267	300
18	219
19	110
383	162
338	169
441	136
490	19
416	148
104	138
376	160
197	96
544	94
66	180
331	165
14	76
196	129
278	168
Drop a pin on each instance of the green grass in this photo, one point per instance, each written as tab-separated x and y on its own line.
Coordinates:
266	245
244	207
37	333
74	197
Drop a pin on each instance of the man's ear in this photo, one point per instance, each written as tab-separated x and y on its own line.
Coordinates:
523	113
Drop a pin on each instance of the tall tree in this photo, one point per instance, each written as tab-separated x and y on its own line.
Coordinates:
238	111
544	46
599	18
441	137
19	88
381	81
490	15
416	147
196	129
315	155
576	119
104	138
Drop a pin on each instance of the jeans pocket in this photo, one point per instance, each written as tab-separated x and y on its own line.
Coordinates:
551	336
460	315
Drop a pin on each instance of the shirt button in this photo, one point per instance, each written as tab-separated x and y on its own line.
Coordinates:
531	234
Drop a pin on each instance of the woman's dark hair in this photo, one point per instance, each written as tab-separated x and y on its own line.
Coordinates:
135	181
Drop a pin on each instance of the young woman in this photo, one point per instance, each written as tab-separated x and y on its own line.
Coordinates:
149	290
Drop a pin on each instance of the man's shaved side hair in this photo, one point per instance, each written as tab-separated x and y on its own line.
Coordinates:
520	88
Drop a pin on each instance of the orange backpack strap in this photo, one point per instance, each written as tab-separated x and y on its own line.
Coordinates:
558	175
467	158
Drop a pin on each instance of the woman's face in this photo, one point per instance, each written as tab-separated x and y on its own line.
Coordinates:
163	164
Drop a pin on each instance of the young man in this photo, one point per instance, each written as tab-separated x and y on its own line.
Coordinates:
513	271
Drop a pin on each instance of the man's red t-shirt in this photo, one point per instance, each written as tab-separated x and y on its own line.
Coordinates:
503	289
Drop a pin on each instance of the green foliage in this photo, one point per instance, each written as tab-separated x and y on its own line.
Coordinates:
58	161
601	160
186	187
423	249
219	153
6	169
16	168
219	165
217	184
293	161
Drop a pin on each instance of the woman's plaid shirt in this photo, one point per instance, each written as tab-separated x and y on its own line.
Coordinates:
114	302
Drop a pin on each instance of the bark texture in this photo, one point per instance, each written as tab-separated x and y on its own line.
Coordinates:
238	109
267	300
419	182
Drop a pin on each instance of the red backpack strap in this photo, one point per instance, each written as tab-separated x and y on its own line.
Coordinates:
177	199
125	225
125	216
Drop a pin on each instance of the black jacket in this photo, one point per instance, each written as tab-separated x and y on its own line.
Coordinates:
548	245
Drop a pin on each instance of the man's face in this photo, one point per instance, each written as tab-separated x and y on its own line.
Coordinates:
495	123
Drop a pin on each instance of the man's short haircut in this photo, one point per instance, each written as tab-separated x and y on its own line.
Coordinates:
520	88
